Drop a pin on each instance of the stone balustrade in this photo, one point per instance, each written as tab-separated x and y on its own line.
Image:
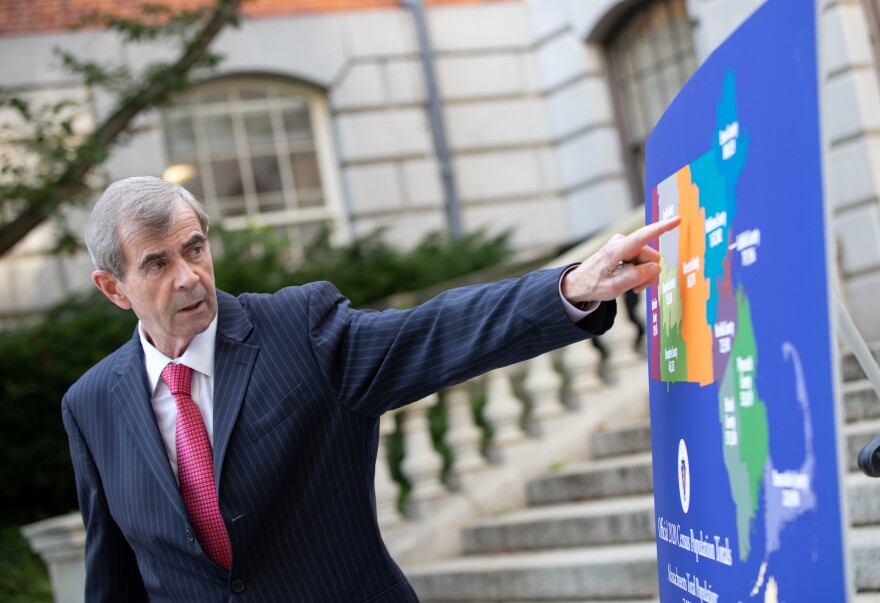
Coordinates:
532	413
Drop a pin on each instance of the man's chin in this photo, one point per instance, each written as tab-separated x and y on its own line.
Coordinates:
199	317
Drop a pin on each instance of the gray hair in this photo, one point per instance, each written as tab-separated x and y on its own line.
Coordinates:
149	203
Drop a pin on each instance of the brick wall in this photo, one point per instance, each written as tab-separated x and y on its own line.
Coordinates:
22	17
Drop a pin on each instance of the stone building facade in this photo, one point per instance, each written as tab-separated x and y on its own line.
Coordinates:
319	116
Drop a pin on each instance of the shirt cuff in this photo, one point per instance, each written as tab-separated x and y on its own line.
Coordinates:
575	313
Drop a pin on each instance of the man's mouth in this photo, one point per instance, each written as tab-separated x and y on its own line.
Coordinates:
190	307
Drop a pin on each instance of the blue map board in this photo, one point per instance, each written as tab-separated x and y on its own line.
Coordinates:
747	482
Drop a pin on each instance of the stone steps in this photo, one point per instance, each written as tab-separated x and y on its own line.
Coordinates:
588	533
618	442
860	401
628	475
590	523
863	499
577	574
865	557
850	369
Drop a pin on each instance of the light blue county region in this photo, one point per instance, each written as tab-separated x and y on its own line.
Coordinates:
788	494
717	217
716	175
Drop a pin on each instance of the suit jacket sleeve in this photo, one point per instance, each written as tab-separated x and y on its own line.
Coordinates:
375	361
111	570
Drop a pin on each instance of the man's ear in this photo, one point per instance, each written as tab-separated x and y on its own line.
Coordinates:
109	286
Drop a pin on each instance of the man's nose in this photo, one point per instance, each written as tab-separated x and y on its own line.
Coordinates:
184	276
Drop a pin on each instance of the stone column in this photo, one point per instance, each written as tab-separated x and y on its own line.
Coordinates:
387	490
544	386
463	436
61	542
581	362
421	463
503	410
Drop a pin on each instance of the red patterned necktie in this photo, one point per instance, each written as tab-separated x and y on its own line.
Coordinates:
195	468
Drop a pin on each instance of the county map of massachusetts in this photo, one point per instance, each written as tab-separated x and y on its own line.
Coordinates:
703	333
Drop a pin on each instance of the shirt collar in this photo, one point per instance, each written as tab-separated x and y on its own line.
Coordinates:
199	355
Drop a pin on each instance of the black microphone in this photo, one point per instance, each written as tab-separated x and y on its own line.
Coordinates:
869	458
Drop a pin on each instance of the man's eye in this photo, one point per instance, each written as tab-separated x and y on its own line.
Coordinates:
197	250
158	265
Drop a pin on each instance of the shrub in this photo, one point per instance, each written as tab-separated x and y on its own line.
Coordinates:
23	577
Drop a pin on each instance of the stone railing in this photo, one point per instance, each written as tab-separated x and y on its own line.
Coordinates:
539	413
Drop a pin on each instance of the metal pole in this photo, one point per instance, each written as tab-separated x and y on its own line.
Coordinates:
435	112
860	349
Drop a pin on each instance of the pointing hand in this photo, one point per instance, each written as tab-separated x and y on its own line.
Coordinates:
623	263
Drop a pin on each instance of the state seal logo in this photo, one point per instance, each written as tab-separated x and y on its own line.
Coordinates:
684	476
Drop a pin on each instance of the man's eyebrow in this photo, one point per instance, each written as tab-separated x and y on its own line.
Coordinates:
150	258
193	240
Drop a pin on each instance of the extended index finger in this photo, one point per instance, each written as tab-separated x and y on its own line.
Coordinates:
632	245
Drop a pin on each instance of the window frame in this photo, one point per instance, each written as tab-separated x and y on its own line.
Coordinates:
332	211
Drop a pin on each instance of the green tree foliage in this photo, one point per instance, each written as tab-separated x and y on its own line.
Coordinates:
48	155
251	260
370	269
37	365
23	577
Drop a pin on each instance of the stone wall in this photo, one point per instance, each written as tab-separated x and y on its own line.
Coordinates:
529	117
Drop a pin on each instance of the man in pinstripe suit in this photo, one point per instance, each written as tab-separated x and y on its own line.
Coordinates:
290	388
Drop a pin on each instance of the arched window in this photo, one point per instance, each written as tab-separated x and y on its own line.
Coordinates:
651	55
256	151
872	19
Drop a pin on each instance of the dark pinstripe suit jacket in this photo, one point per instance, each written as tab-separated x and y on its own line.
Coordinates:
300	382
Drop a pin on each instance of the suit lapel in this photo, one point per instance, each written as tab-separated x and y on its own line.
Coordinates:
233	363
131	394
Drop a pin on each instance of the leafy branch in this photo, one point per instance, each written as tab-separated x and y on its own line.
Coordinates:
46	161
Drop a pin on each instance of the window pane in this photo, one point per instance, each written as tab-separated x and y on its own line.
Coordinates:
664	42
313	197
653	103
271	202
636	123
675	77
213	96
259	129
227	178
181	139
267	177
219	132
232	206
297	124
305	171
252	93
193	183
641	53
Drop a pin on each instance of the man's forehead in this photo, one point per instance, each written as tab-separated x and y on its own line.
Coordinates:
138	240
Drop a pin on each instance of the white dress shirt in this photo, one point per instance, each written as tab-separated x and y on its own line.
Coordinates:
199	356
